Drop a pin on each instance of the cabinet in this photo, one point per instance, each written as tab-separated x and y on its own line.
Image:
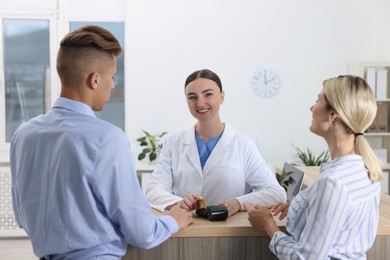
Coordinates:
377	74
144	172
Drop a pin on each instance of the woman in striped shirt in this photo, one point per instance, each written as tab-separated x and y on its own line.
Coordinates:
336	217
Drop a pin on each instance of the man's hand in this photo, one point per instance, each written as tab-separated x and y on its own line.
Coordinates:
182	216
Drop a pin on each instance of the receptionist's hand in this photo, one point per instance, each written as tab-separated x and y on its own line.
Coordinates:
233	206
190	202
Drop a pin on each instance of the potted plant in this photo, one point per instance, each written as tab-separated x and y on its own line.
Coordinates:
309	159
152	144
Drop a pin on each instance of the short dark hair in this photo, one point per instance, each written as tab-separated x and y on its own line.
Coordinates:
92	36
206	74
83	48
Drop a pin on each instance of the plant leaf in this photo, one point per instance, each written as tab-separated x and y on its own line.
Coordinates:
152	143
141	156
152	156
308	158
162	134
144	143
146	150
142	139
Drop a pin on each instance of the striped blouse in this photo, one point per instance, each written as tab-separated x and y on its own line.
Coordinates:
336	217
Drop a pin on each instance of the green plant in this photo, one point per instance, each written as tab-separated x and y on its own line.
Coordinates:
309	159
153	145
285	179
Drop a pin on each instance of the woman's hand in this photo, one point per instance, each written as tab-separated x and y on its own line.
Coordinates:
281	207
261	219
190	202
233	206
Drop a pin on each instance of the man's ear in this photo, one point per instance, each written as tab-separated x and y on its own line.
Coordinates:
93	80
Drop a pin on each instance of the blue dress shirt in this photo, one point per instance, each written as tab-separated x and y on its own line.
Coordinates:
75	189
336	217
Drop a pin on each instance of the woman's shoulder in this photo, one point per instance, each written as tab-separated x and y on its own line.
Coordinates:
181	136
237	136
343	167
348	172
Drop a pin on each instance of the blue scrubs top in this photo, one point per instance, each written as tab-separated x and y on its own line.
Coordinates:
205	149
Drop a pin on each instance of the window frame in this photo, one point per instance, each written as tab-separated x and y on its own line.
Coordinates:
53	92
59	13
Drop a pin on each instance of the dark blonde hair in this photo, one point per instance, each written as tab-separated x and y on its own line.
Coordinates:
353	100
87	47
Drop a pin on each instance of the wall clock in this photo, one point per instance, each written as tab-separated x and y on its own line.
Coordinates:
265	83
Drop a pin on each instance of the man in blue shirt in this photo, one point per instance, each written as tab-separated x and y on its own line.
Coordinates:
74	186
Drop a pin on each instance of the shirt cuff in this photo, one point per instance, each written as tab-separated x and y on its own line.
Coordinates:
172	224
241	202
274	241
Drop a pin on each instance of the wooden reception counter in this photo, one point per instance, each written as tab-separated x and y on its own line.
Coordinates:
236	239
208	240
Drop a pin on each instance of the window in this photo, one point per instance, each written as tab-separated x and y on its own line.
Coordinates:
30	32
26	51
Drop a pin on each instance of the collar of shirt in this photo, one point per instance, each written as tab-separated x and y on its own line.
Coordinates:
205	149
350	158
72	105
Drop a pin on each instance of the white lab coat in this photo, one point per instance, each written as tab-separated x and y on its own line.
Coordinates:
233	167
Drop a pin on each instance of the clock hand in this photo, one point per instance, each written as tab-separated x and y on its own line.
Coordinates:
270	80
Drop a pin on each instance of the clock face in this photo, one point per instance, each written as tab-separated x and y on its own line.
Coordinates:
265	83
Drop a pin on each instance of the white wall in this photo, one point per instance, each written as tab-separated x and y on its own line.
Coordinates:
305	41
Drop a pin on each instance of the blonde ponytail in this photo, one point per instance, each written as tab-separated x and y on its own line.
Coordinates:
372	162
352	99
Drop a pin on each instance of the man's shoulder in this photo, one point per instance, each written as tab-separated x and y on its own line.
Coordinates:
102	131
85	127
